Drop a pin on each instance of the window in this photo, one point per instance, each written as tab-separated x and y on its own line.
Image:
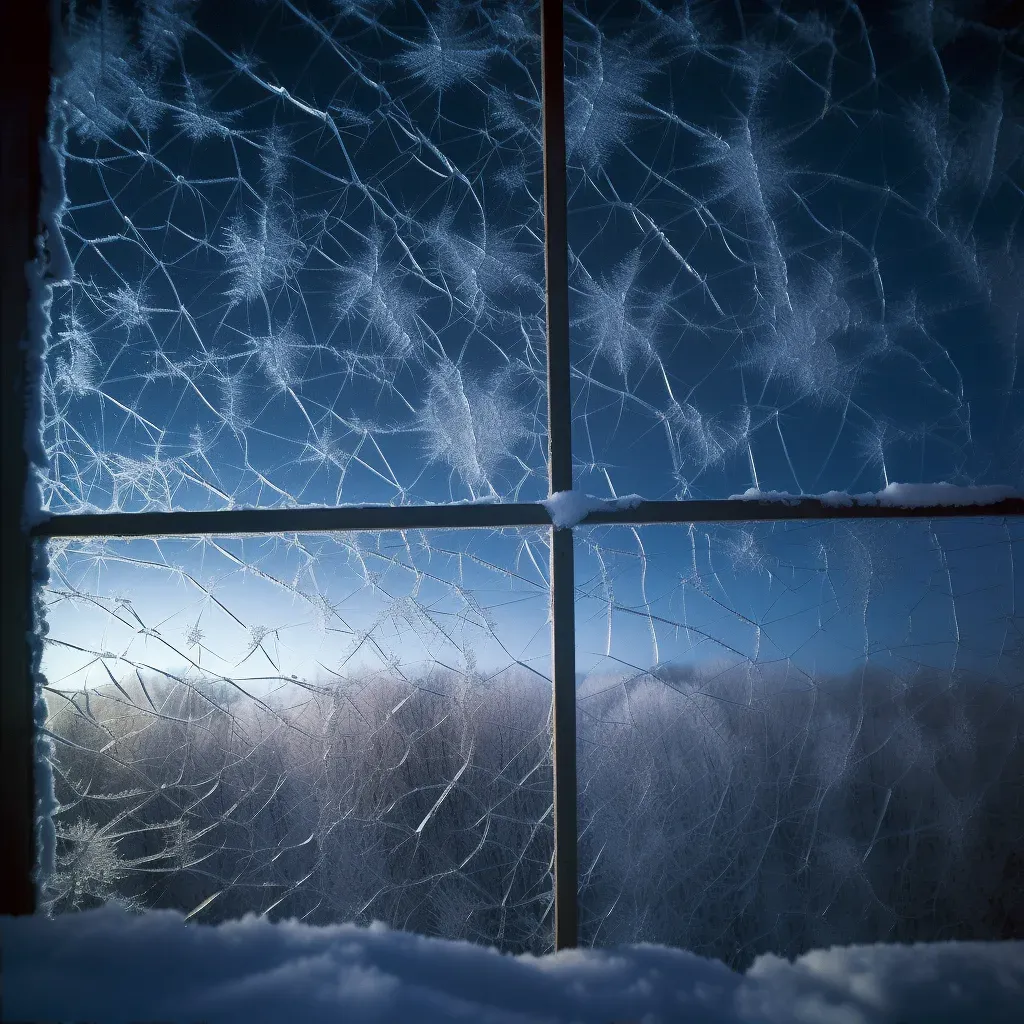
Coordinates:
352	287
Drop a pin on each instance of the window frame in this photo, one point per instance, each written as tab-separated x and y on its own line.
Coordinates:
27	71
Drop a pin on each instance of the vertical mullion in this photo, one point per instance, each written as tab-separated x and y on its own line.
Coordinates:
563	642
23	108
563	613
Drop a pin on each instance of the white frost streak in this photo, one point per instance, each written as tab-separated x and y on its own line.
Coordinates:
895	495
444	796
569	508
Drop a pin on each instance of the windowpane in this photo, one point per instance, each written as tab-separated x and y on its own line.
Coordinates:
794	736
796	248
308	259
326	727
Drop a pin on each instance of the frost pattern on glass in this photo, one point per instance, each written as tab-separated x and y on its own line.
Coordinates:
306	251
306	242
793	736
796	251
330	728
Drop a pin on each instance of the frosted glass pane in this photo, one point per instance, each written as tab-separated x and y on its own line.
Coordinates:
796	244
307	251
794	736
331	728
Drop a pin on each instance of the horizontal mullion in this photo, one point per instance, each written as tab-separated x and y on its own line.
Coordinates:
754	510
292	520
454	517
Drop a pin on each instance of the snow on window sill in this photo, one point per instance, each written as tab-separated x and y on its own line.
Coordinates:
107	964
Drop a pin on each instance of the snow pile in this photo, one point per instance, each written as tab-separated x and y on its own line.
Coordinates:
941	983
108	965
896	495
569	508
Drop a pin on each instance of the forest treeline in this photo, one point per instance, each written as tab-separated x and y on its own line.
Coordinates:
726	811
